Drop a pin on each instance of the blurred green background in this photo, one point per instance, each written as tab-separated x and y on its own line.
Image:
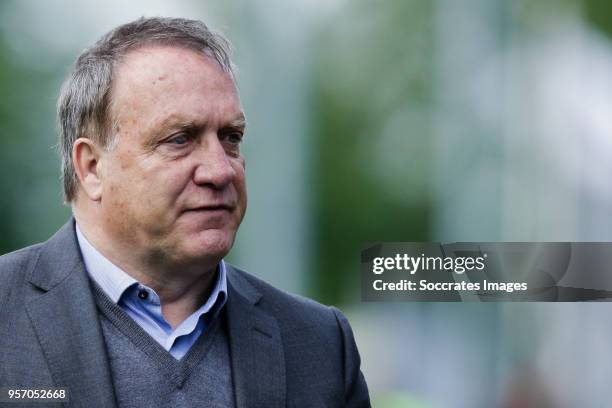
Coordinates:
412	120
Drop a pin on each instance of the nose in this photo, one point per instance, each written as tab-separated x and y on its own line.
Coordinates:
214	168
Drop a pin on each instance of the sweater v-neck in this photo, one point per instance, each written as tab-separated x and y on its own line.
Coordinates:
178	370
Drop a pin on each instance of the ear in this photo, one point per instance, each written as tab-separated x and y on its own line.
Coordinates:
86	157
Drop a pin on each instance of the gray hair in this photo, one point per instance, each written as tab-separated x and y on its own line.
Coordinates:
84	100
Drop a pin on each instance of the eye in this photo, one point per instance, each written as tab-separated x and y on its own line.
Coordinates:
234	138
178	140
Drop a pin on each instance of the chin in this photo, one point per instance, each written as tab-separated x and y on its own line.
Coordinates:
209	245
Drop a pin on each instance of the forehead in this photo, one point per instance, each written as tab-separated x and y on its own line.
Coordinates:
156	82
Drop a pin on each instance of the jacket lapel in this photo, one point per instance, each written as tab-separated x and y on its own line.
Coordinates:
258	363
66	323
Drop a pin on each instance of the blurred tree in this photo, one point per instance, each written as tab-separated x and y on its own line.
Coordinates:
31	204
599	13
371	106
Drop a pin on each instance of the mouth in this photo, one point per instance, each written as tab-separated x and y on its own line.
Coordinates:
212	208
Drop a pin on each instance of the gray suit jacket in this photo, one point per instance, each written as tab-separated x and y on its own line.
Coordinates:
285	350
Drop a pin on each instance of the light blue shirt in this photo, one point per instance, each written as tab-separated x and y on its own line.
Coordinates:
142	304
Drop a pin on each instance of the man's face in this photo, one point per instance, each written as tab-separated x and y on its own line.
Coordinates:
174	185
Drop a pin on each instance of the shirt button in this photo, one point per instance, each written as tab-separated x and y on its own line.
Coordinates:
143	294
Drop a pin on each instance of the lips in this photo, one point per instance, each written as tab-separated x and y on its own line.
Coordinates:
212	207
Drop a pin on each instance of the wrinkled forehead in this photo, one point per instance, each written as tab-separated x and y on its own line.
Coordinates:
154	80
148	64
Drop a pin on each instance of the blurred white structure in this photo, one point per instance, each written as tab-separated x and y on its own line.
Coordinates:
524	153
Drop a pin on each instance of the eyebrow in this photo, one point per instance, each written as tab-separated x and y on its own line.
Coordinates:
174	122
239	122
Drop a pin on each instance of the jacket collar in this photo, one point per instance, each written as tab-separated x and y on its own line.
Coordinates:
58	258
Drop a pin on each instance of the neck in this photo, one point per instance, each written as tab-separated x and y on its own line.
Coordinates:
181	288
180	298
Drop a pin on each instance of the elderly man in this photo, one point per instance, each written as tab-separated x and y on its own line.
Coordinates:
131	304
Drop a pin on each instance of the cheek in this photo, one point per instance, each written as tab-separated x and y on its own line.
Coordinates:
162	188
241	189
146	191
240	181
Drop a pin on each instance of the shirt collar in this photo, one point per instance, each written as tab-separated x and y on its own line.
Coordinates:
115	281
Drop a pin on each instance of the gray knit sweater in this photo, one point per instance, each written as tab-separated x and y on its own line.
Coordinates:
146	375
